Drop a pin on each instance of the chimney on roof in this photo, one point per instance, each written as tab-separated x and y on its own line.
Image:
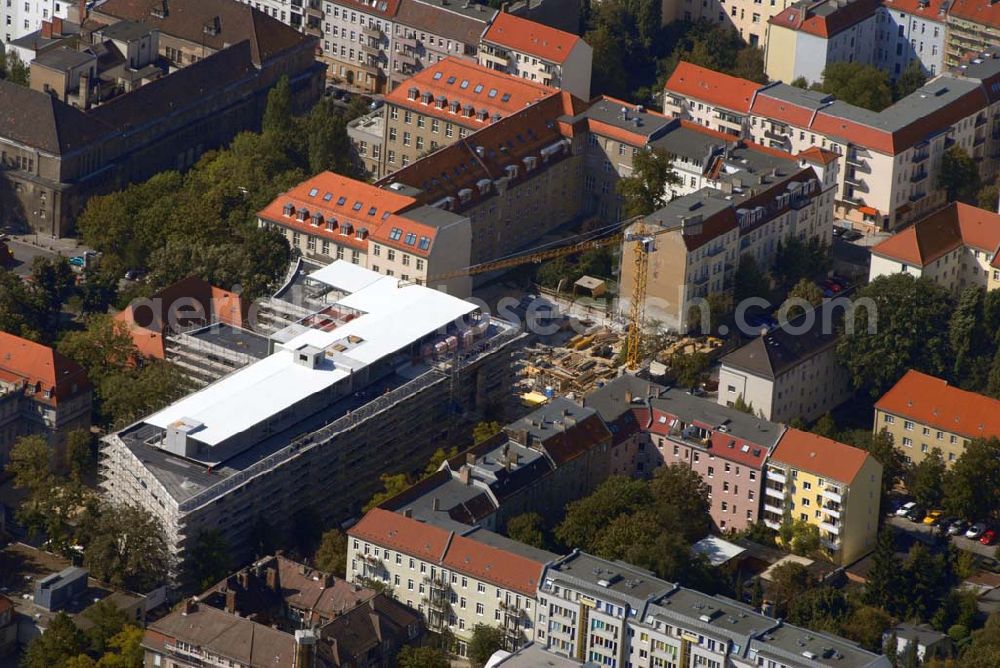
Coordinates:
190	605
230	601
272	579
243	577
465	474
407	512
470	458
57	26
46	30
436	503
82	11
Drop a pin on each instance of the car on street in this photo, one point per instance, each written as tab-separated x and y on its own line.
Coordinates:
933	516
77	261
989	537
838	230
958	527
916	514
976	530
904	509
852	235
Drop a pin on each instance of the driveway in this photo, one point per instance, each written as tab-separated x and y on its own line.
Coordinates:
925	533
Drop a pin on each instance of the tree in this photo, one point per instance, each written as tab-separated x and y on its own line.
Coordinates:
789	580
106	622
760	533
392	484
742	405
910	80
959	175
13	69
884	587
993	379
883	449
861	85
421	657
54	282
483	431
527	528
821	609
750	64
484	642
865	625
278	112
689	368
21	311
906	329
125	546
805	290
989	196
126	649
208	561
750	281
971	343
680	500
331	556
972	487
61	641
926	480
587	517
800	536
645	191
438	458
79	456
796	260
329	146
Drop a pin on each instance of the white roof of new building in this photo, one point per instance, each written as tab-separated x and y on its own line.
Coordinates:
394	315
717	550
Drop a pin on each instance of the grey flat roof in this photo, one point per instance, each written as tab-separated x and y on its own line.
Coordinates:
35	41
432	215
64	58
710	613
810	99
126	31
541	422
985	68
914	107
796	646
739	424
536	656
706	202
233	338
611	401
610	112
608	579
502	542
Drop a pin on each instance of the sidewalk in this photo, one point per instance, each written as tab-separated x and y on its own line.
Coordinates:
66	247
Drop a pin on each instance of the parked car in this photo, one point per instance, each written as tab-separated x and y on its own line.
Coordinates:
916	514
976	530
933	516
838	230
77	261
852	235
834	286
989	537
958	527
904	509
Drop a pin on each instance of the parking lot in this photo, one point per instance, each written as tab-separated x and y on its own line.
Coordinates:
925	533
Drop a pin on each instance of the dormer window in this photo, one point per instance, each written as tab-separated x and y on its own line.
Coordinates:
302	214
346	229
453	107
317	219
288	210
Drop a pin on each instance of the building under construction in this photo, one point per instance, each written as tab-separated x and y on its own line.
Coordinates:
368	377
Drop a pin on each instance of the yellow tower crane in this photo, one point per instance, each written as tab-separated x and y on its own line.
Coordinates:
642	244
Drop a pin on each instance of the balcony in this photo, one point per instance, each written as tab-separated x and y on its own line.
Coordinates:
314	30
369	49
832	545
775	136
315	12
918	176
372	31
406	58
768	507
832	511
701	280
833	494
921	155
776	476
980	120
410	42
771	524
832	528
775	493
979	140
857	182
917	196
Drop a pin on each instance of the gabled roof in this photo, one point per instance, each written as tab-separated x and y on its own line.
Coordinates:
447	18
215	24
940	233
366	627
817	156
41	367
932	401
526	36
494	565
477	90
40	121
819	455
982	12
721	90
771	354
824	18
386	8
407	535
928	10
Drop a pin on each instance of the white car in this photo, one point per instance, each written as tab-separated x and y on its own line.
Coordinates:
976	530
905	508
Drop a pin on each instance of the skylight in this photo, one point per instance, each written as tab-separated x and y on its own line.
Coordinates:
478	88
357	206
437	75
464	84
313	192
341	201
425	243
395	234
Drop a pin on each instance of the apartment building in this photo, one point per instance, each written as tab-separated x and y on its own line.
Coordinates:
367	135
332	217
20	18
456	578
892	157
789	373
922	412
830	485
611	614
41	392
973	28
52	34
357	42
656	426
446	102
914	31
539	463
365	378
749	18
715	100
956	247
536	52
809	35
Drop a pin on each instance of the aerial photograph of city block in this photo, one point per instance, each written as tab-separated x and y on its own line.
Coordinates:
499	333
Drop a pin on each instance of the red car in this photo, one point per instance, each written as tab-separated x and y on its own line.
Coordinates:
988	538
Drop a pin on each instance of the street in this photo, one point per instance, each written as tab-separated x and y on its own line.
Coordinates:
24	255
925	533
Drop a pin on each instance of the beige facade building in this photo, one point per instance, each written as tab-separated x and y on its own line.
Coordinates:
536	52
922	413
973	28
747	17
956	247
830	485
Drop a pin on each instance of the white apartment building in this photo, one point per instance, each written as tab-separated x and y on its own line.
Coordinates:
613	614
956	247
358	42
538	53
358	384
21	17
913	30
810	34
708	98
747	17
456	578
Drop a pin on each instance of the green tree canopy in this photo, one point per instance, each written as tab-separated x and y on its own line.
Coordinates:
645	191
805	290
125	546
421	657
527	528
959	175
910	80
909	325
789	581
331	555
587	517
61	641
750	281
392	484
863	85
484	642
972	486
208	561
927	480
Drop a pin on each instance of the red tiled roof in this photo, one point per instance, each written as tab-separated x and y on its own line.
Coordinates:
387	8
782	110
934	10
804	19
942	232
817	155
933	402
41	367
458	553
982	12
371	212
819	455
721	90
724	446
471	85
526	36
